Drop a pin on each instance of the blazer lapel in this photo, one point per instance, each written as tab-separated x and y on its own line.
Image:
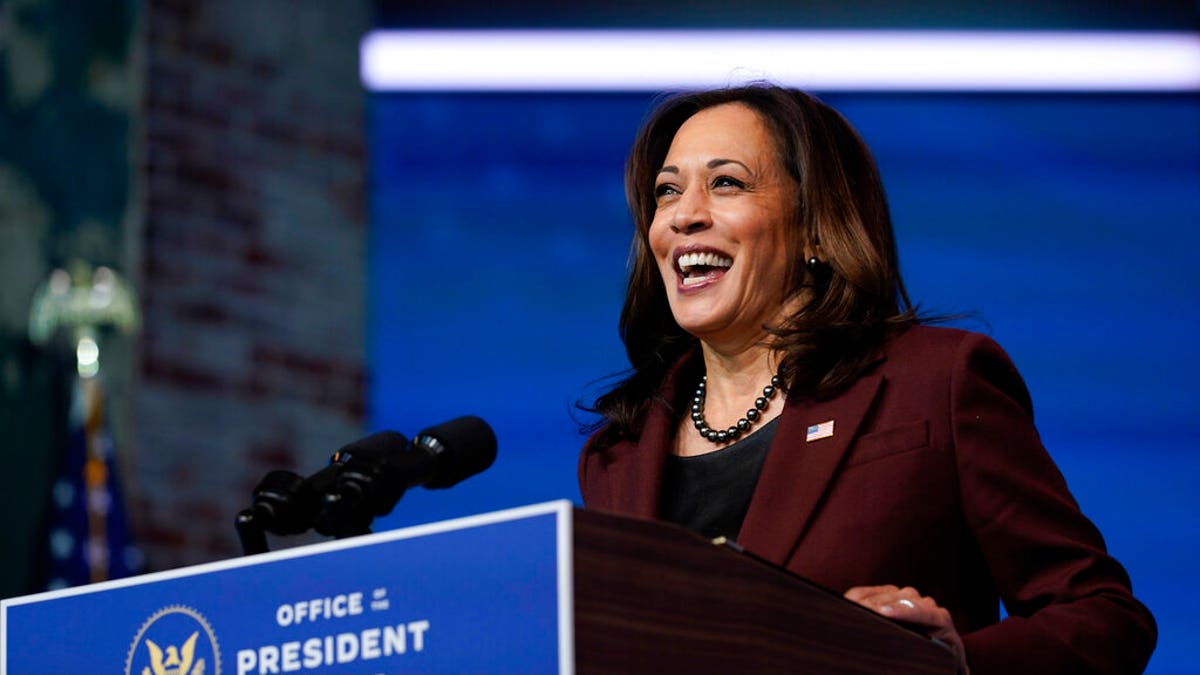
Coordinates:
637	483
798	471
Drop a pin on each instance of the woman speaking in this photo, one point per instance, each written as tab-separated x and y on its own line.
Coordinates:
784	392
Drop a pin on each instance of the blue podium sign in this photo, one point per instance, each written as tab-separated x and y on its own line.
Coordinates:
489	593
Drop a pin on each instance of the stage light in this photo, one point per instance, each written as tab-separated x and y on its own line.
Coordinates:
640	60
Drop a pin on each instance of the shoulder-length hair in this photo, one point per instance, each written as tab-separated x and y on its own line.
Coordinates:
855	296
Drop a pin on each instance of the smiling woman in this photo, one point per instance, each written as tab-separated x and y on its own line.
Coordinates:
903	468
786	181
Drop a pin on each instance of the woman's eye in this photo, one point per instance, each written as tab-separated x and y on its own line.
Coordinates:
727	181
663	190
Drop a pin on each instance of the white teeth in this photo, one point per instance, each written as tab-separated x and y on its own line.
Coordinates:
690	260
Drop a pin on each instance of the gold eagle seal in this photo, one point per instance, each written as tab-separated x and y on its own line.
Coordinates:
175	640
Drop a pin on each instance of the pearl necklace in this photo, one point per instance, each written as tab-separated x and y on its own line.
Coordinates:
742	425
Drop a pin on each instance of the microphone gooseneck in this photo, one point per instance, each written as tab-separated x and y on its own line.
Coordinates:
283	503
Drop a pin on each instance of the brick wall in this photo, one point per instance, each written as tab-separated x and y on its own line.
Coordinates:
253	272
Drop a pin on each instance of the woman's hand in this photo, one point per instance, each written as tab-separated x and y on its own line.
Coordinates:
906	604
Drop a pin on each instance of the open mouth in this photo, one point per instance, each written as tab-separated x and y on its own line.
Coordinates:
698	267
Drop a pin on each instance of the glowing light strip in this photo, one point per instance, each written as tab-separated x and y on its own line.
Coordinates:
625	60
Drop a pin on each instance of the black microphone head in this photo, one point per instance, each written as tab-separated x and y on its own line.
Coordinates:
463	447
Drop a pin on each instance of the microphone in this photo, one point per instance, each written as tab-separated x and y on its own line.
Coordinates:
377	470
460	448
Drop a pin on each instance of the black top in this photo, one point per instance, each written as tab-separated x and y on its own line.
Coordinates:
710	493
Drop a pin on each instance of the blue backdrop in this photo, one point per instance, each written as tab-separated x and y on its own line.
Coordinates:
1067	223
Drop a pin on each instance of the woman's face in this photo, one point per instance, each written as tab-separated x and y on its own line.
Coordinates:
718	233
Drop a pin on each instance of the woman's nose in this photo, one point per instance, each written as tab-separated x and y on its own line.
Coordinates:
691	213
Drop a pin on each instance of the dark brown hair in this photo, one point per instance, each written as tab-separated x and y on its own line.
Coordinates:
857	297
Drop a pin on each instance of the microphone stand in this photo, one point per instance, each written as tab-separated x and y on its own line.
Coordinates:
250	533
284	503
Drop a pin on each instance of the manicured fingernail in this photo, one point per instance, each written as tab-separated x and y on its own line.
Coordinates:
887	609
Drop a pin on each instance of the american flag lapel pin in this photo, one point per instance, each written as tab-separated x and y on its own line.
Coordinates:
818	431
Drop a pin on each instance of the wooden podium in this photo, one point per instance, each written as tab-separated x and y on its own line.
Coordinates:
547	588
654	598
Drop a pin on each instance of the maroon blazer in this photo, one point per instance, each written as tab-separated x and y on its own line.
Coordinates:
934	478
